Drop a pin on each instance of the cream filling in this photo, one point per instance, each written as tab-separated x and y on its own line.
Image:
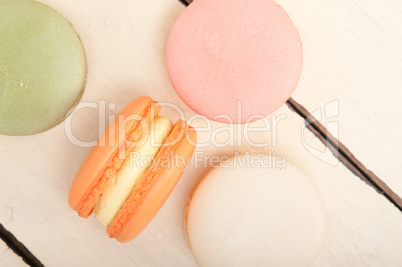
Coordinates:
132	170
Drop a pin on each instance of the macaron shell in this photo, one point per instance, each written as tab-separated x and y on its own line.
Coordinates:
234	60
42	67
255	214
106	148
162	160
132	170
160	191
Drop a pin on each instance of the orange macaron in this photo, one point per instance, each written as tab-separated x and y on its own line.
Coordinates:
132	169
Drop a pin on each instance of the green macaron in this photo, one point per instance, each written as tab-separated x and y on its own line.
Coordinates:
42	67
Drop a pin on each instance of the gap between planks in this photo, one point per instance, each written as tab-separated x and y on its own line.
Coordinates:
344	155
18	248
339	150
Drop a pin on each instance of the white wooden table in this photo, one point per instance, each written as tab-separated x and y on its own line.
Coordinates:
352	54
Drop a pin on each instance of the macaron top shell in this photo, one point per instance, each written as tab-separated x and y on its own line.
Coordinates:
132	170
103	153
234	60
43	67
255	210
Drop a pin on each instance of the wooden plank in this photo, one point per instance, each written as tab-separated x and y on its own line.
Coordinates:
344	155
353	53
8	258
349	203
362	226
16	247
125	48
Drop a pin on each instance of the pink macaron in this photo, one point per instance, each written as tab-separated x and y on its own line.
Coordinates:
234	61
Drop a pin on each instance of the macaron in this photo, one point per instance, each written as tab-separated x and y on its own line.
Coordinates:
234	61
43	67
133	168
255	210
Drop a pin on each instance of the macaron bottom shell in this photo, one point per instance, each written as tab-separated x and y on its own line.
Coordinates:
161	189
166	160
128	176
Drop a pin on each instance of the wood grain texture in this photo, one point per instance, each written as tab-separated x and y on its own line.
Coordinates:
8	258
125	48
344	155
353	53
17	248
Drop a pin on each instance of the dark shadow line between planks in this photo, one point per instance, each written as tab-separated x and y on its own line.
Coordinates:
18	248
339	150
185	2
344	155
